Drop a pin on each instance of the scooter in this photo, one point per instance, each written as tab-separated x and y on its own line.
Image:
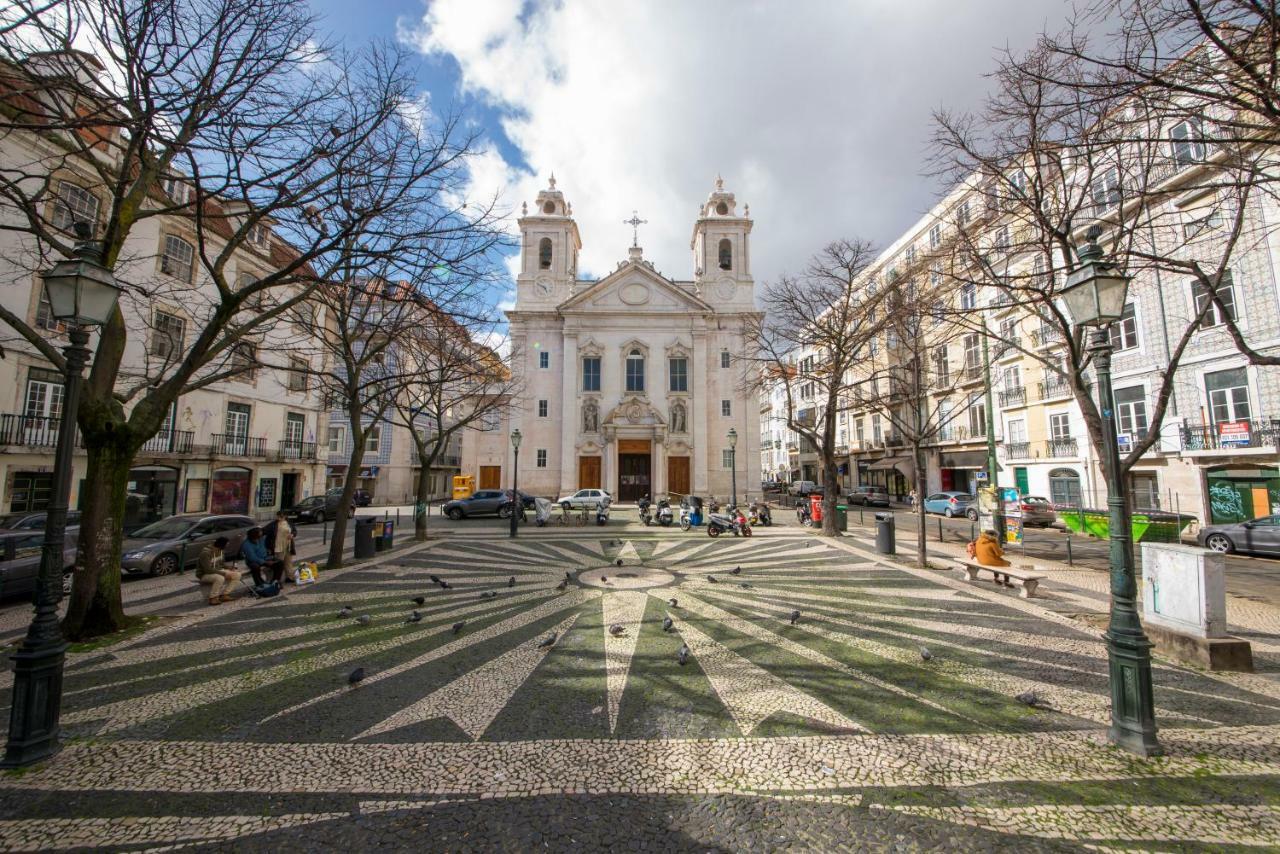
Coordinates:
713	506
723	523
803	516
741	525
664	513
644	505
690	512
542	511
760	514
602	514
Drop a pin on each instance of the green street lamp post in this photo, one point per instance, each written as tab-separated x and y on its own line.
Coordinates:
1095	294
733	466
82	293
515	481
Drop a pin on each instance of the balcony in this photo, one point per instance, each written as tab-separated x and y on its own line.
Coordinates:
943	380
1009	347
1062	447
1046	336
1017	450
33	431
169	442
443	461
1013	397
972	373
961	433
1232	436
290	449
231	445
1053	387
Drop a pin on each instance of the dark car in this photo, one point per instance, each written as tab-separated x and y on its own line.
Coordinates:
317	508
1037	511
869	496
1258	536
525	498
360	498
32	521
161	547
20	554
482	502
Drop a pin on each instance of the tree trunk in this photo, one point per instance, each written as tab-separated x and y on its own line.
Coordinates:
338	543
424	489
830	495
95	607
922	540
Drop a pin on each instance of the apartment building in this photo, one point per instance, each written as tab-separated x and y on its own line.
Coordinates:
391	466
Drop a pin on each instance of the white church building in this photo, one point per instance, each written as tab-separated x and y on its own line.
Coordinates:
631	383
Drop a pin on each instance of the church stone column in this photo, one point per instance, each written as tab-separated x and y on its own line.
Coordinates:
570	417
698	403
606	466
659	484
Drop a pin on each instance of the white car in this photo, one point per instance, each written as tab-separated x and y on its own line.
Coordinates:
589	498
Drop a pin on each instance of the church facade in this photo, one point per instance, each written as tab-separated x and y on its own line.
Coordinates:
631	383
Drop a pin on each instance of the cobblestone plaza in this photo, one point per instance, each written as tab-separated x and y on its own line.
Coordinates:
236	726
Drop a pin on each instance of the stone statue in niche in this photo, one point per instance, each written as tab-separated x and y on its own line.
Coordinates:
677	417
590	417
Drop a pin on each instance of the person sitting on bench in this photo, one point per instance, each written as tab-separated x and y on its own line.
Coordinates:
257	558
212	569
986	550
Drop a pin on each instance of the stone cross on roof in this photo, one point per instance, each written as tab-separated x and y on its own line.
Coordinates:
635	222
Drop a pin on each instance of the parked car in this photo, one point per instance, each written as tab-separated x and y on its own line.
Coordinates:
482	502
951	504
803	487
360	498
589	498
159	548
317	508
869	496
1258	536
20	554
1037	512
525	498
32	521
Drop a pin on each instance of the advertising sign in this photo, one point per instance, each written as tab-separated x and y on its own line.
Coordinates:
1125	442
1233	434
1013	530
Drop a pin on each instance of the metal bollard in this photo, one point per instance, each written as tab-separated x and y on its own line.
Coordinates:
939	529
1069	563
324	531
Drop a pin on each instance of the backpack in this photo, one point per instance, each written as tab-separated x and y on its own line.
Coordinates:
266	591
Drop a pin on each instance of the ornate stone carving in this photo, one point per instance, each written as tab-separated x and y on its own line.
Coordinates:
590	416
678	420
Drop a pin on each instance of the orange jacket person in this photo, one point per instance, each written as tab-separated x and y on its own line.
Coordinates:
987	550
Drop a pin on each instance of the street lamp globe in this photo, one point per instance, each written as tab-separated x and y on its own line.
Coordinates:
515	438
81	290
733	438
1096	291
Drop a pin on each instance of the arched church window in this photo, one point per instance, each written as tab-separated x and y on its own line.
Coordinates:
726	254
544	254
549	208
635	371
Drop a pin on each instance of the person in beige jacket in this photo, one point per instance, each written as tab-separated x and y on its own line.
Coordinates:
211	569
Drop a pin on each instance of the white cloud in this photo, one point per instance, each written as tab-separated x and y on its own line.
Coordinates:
817	114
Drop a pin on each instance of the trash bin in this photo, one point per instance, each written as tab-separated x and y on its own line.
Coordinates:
885	535
388	533
364	536
842	517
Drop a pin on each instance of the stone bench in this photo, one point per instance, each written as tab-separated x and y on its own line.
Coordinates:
1027	582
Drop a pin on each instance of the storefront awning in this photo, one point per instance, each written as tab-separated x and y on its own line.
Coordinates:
902	464
976	460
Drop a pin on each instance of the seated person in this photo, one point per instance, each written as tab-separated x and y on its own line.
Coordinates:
987	551
257	558
212	569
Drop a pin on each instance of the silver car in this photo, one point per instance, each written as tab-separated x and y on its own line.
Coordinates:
161	547
20	560
1259	536
588	498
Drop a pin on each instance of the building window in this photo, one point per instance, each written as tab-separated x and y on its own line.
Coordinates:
542	409
542	458
591	373
968	297
978	415
167	337
1226	294
44	313
962	214
935	236
724	358
1002	239
972	351
44	395
1017	432
858	431
544	359
1228	394
726	458
1131	407
337	438
177	190
1194	228
244	360
74	204
259	235
635	371
544	253
726	408
373	438
726	254
1187	143
1059	426
679	370
177	258
1105	189
1064	488
298	374
877	431
941	366
1124	334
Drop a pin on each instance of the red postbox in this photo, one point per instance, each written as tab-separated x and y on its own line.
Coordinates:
815	507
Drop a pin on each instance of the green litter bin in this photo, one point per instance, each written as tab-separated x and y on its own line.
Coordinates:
842	517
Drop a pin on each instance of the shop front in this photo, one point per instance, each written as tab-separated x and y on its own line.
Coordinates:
152	495
959	470
230	490
1241	493
895	474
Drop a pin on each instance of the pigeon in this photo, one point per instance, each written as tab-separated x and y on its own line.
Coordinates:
616	630
354	677
618	562
547	641
562	585
667	624
746	585
492	594
1032	699
419	600
346	611
712	579
435	579
568	577
683	655
457	627
415	617
673	603
795	617
444	585
364	619
925	654
737	570
511	582
604	579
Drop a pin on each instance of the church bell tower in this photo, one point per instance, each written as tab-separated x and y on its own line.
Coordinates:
549	246
721	248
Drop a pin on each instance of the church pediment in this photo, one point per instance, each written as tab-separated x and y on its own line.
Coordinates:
633	412
634	286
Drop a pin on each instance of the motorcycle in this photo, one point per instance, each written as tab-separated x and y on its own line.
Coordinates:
602	514
803	516
742	526
664	513
723	523
760	514
645	517
690	512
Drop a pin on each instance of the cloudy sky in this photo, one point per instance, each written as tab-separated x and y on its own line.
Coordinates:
816	112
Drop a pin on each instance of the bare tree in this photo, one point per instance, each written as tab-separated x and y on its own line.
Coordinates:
226	120
809	341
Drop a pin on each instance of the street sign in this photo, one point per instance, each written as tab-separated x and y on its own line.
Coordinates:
981	477
1124	442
